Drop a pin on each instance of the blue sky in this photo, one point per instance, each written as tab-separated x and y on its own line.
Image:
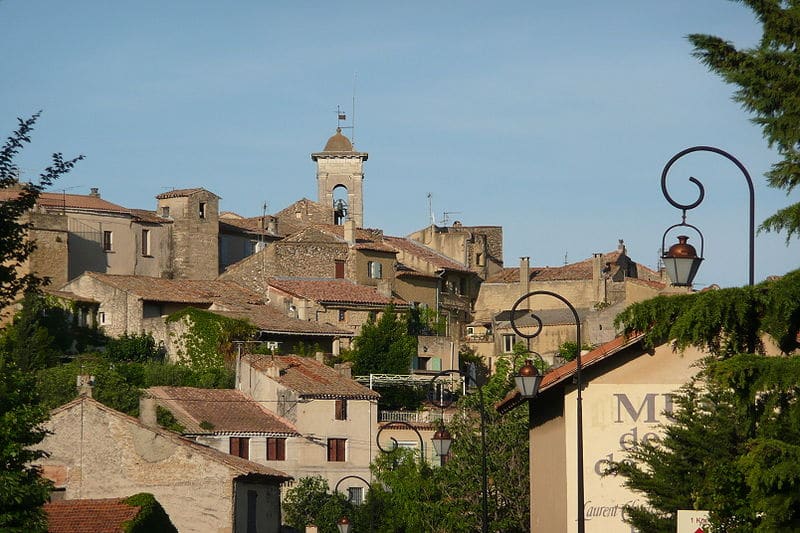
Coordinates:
554	120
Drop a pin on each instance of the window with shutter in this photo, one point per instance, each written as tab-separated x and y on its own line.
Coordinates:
240	447
336	449
276	449
341	409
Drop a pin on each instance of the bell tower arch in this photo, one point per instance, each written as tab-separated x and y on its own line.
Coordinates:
340	168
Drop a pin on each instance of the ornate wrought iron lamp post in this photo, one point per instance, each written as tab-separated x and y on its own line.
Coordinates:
681	260
442	440
578	368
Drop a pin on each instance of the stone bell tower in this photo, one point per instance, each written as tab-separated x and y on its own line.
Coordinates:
339	165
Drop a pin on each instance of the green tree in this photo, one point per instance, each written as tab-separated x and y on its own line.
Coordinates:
31	339
734	444
384	346
309	501
14	244
22	490
768	80
413	496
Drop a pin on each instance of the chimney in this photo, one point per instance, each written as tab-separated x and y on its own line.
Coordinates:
273	370
524	275
94	192
85	385
350	231
598	277
344	369
147	410
272	225
320	357
621	247
384	288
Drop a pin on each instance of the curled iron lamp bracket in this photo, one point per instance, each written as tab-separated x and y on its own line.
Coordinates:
394	441
701	196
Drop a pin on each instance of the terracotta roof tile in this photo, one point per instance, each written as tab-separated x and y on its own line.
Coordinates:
178	193
83	516
69	296
143	215
272	320
180	290
419	250
333	291
311	379
581	270
228	410
366	238
69	201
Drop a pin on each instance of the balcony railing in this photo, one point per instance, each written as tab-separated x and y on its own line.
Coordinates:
413	417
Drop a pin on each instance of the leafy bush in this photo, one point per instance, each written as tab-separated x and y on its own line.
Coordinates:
135	348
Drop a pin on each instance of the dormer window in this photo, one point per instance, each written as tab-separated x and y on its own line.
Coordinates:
202	210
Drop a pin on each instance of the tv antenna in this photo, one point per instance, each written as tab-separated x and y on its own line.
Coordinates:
446	216
430	210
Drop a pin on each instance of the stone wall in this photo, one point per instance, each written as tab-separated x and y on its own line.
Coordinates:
51	257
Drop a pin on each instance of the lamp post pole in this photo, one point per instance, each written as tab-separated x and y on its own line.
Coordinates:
578	368
446	436
701	190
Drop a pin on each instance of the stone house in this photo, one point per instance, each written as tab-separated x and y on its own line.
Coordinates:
321	251
598	287
139	304
97	452
479	248
627	396
456	285
241	237
336	416
84	233
335	301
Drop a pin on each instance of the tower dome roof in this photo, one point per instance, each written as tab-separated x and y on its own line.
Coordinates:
338	143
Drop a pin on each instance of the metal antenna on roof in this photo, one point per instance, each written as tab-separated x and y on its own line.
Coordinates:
566	262
341	115
430	210
353	120
446	216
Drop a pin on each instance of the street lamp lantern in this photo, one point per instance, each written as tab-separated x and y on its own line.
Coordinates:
528	380
343	524
682	262
442	441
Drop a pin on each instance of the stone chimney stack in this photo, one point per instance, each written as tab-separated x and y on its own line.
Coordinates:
147	411
85	385
272	225
344	369
350	231
94	192
524	275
